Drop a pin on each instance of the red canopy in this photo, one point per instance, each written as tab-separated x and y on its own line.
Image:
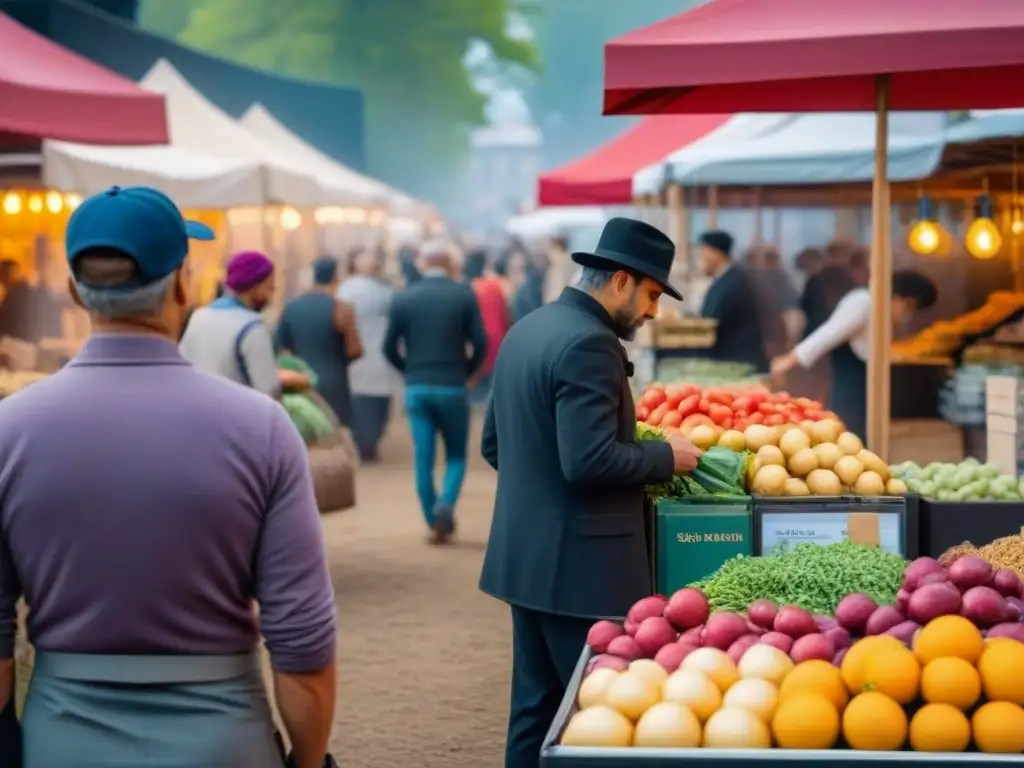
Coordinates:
605	176
47	92
820	55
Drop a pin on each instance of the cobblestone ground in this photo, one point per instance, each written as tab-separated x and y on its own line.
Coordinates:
423	657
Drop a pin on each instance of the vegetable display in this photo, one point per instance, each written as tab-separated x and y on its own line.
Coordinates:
1004	552
810	576
970	480
720	472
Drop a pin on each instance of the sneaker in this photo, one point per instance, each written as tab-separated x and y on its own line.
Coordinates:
444	516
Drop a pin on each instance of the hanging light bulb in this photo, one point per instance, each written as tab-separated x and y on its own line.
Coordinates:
291	218
925	236
54	202
983	238
35	204
72	200
1017	224
12	203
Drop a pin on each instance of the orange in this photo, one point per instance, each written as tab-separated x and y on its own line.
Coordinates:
806	721
815	676
999	727
950	680
940	728
949	636
1000	666
856	658
874	721
894	672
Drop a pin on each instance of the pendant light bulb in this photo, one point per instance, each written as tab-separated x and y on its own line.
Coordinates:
925	235
984	240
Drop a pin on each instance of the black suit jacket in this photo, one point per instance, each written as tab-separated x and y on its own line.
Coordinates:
732	301
568	533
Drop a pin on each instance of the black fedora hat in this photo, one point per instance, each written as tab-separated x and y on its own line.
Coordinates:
636	246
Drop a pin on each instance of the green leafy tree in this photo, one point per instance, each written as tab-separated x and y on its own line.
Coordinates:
407	58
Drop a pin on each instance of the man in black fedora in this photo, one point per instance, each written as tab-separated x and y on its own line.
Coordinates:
732	301
568	540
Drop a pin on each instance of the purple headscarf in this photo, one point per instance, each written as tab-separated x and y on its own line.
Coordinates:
247	270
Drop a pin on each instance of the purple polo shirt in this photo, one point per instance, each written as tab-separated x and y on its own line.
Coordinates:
145	504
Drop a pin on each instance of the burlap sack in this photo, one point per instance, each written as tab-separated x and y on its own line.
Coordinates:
333	462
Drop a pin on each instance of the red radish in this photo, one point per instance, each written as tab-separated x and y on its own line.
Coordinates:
903	599
904	631
919	569
723	629
630	627
933	578
607	661
813	646
738	648
824	622
693	636
1015	606
840	637
625	647
762	613
671	656
1007	629
778	640
687	608
602	633
647	607
654	634
969	571
1006	582
884	617
795	622
933	600
754	629
837	660
984	606
853	612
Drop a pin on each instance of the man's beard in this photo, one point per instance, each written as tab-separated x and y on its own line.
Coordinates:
627	322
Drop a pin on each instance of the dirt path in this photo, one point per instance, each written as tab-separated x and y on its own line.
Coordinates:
423	657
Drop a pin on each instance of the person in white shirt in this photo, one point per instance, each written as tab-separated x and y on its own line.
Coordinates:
845	339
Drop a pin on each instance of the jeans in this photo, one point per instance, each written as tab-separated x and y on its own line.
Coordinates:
370	415
433	410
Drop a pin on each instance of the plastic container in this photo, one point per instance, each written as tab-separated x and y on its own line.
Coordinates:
695	537
887	521
945	524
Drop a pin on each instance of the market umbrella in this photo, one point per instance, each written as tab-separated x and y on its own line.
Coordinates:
827	56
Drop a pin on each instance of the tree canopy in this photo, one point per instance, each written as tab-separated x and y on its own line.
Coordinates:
407	58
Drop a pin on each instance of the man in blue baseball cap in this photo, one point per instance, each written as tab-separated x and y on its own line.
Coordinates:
180	498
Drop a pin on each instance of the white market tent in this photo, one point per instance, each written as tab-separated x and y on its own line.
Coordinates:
212	161
346	186
777	149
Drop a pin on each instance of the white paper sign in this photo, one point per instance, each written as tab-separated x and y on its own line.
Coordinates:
823	528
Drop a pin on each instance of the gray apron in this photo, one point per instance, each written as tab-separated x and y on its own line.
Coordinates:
107	711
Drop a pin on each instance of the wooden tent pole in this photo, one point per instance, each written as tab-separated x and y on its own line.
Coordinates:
878	404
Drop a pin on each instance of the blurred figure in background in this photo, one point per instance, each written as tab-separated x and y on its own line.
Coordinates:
560	268
27	312
826	286
777	299
407	264
430	326
493	304
808	262
731	301
228	337
322	331
371	377
529	294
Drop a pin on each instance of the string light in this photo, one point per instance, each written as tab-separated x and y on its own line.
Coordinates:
12	203
925	236
983	239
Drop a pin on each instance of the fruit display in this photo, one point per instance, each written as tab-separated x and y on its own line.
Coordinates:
939	671
1004	552
945	337
810	576
970	480
685	406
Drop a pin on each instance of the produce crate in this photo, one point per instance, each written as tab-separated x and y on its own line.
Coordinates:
945	524
694	538
554	756
888	521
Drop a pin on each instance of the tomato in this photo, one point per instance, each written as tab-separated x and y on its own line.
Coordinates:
740	424
688	389
726	423
755	418
642	412
775	420
695	419
721	397
756	396
767	408
744	404
719	413
705	405
813	415
674	396
805	402
654	397
657	415
689	405
781	397
671	419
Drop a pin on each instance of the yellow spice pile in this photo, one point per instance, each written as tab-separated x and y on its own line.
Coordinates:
1007	552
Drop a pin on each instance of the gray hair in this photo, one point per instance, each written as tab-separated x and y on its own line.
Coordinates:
100	277
593	278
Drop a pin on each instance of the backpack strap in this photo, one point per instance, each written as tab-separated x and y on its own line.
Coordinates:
239	357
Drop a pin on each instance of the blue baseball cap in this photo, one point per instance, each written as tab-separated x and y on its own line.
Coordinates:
141	222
